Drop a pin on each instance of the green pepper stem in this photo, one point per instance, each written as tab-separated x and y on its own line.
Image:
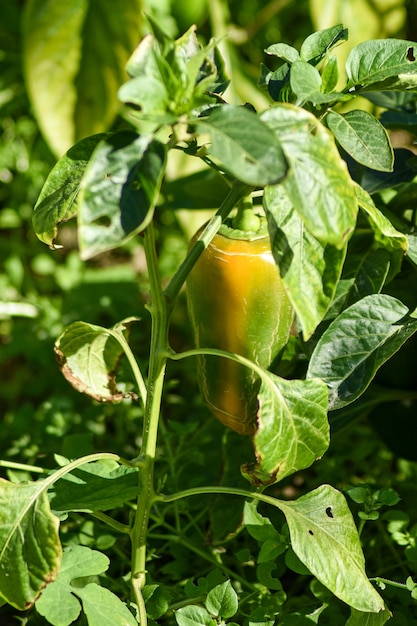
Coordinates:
246	219
237	192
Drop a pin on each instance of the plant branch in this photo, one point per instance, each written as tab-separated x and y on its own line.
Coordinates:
157	365
237	192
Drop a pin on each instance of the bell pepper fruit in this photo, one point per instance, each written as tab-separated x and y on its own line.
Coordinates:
237	302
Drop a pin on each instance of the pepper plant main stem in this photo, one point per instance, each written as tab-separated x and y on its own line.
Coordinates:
160	308
146	461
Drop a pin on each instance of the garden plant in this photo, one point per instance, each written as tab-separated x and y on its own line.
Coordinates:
296	293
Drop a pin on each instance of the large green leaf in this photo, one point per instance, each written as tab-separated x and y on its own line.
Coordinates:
382	64
357	343
244	146
30	550
324	537
119	190
309	268
318	183
99	486
59	198
363	137
293	430
75	53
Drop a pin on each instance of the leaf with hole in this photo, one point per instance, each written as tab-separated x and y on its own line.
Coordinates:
324	537
382	64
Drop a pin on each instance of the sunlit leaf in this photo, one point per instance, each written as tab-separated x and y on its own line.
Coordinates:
58	200
357	343
193	616
30	550
382	64
293	430
363	137
318	44
244	145
324	537
318	184
310	269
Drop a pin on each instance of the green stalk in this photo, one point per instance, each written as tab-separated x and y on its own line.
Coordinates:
160	309
146	460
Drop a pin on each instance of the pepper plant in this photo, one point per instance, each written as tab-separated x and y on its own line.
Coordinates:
319	168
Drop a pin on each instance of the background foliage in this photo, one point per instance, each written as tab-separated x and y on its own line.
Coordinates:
44	107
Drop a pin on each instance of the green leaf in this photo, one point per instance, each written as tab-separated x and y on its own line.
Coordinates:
72	72
386	235
104	608
357	343
318	184
99	486
283	51
157	599
222	601
364	274
264	575
359	618
173	77
330	74
88	356
119	190
317	45
382	64
146	92
293	430
305	80
310	269
244	145
30	550
412	247
193	616
59	198
324	537
59	602
363	137
258	526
